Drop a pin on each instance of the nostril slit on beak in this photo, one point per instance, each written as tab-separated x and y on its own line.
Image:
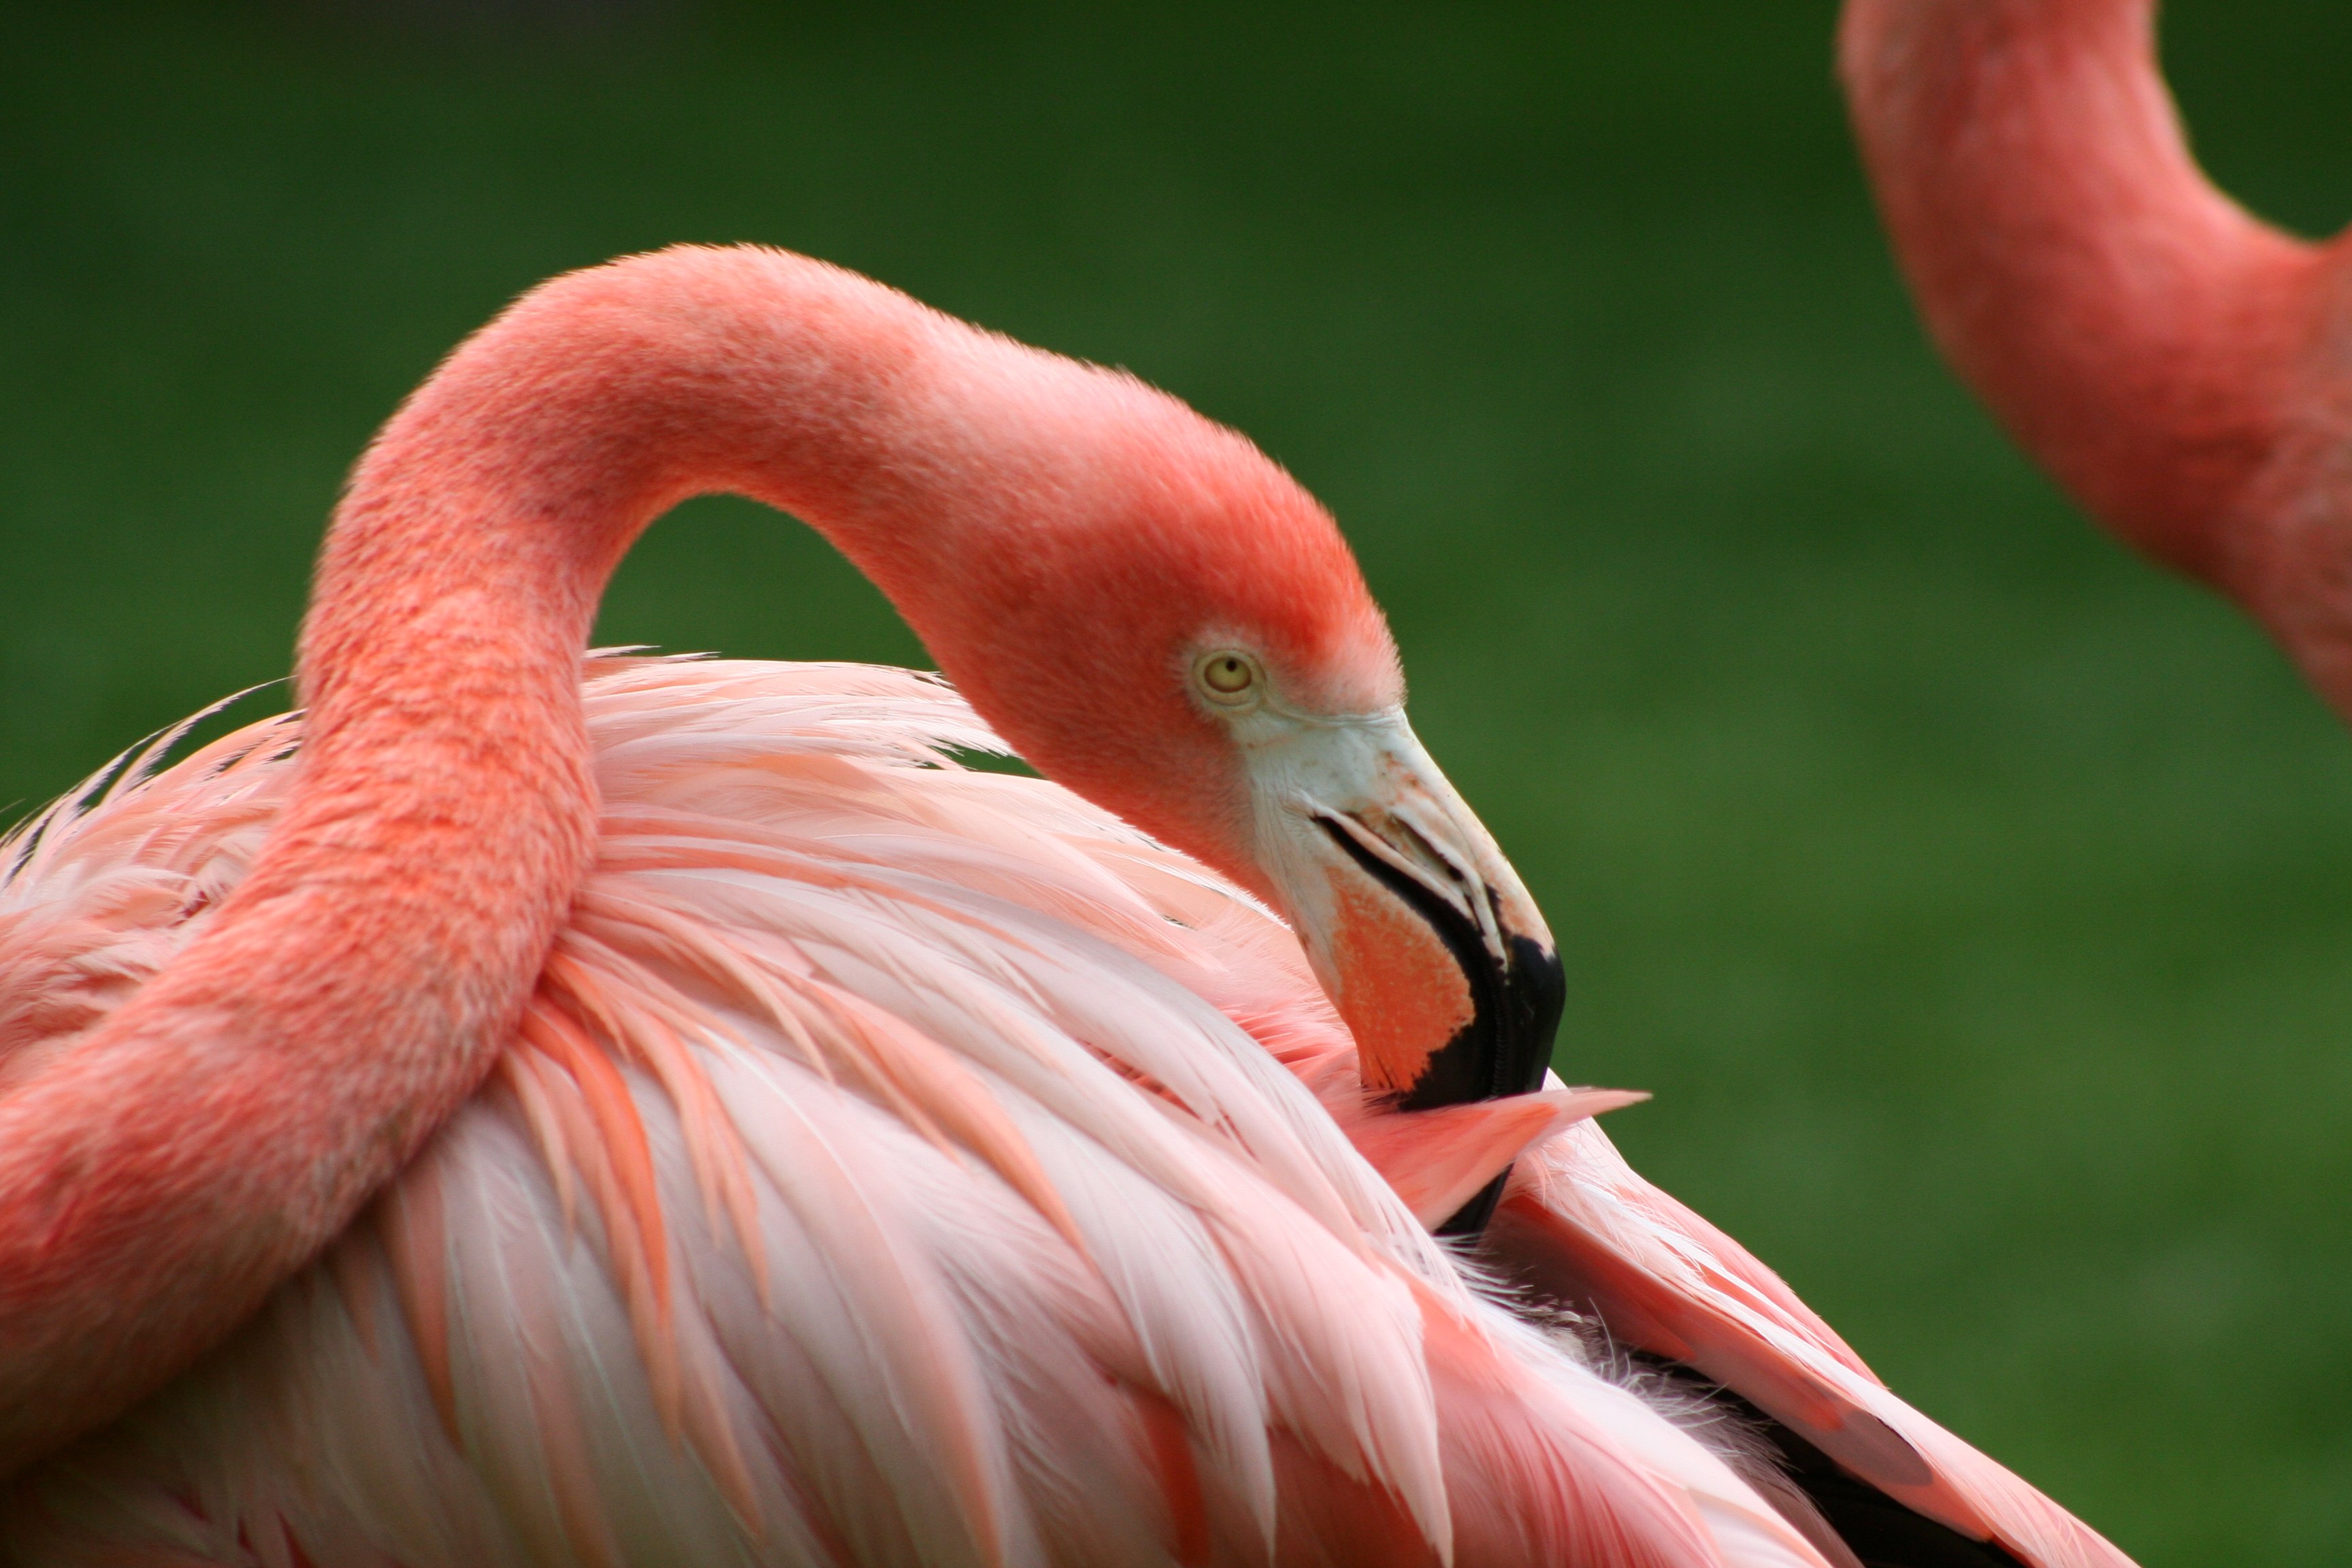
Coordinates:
1406	851
1427	850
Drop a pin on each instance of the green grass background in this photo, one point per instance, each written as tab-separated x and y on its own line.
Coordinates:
1974	897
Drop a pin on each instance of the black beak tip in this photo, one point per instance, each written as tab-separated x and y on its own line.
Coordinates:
1506	1045
1535	994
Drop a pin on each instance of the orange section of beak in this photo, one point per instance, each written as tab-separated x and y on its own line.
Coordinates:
1399	989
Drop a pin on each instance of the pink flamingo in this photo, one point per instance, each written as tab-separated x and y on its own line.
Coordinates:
2178	365
667	1112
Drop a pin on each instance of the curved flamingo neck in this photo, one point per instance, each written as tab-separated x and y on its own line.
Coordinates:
2136	331
509	485
204	1141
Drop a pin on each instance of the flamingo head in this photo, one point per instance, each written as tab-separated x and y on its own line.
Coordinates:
1416	923
1182	635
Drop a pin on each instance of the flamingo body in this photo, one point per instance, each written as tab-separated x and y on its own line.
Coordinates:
676	1116
899	1163
894	1164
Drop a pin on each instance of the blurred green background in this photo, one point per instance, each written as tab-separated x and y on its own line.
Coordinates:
1974	897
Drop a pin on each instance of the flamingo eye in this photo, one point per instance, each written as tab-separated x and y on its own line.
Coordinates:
1227	678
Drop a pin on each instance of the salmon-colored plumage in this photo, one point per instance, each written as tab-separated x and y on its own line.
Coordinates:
668	1111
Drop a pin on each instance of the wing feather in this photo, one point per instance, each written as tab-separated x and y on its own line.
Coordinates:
1578	1224
898	1165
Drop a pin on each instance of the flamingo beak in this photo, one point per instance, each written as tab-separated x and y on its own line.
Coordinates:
1418	927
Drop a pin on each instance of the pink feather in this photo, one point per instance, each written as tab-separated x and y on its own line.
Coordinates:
950	1204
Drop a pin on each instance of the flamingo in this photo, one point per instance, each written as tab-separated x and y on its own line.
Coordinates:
2177	364
524	1110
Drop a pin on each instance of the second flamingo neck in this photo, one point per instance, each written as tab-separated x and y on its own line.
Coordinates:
2136	330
